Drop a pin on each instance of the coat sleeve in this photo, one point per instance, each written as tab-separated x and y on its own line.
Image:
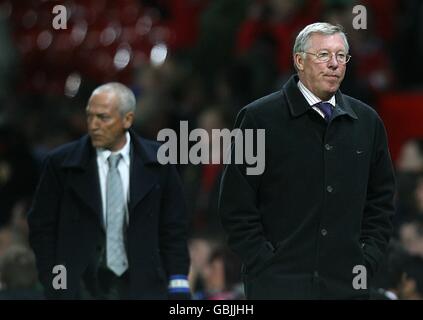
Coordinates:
173	226
379	209
42	221
239	206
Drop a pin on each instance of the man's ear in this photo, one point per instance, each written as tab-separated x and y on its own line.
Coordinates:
128	119
299	61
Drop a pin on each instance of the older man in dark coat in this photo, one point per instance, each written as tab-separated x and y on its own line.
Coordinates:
316	223
108	221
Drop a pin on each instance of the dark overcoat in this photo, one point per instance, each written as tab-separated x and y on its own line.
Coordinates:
66	226
322	206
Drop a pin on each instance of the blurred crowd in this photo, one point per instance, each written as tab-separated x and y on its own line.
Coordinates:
200	61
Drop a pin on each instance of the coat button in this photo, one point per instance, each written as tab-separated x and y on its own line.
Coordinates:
324	232
329	189
328	147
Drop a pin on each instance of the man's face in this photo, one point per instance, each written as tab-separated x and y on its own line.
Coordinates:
322	78
411	240
106	126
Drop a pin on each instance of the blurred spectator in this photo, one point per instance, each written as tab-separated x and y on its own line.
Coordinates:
411	157
411	237
165	95
413	287
18	221
9	237
400	276
18	172
18	275
6	239
409	167
222	276
236	85
200	248
201	182
218	26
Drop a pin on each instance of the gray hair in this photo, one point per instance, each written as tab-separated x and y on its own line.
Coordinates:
125	95
302	40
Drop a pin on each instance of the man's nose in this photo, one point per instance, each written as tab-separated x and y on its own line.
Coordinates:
92	123
333	62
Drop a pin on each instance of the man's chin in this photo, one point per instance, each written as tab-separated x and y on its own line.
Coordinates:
333	86
97	144
331	90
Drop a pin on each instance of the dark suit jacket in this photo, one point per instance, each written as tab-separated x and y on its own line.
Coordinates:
323	204
66	220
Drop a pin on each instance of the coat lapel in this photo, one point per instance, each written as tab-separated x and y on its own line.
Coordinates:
143	175
84	181
298	104
83	176
343	107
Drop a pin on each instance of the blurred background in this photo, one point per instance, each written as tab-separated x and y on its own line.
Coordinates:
200	61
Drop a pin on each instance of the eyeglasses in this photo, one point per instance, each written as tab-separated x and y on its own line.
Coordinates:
325	56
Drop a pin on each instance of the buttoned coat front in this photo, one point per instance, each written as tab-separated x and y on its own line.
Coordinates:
322	207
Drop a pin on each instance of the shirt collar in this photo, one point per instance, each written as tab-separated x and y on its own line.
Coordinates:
311	98
103	154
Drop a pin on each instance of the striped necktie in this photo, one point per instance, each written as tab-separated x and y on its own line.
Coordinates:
115	205
326	108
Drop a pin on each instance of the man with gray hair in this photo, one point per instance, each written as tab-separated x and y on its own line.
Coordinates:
316	223
108	221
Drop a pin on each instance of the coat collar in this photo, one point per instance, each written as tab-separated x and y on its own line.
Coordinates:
81	155
84	180
143	175
298	104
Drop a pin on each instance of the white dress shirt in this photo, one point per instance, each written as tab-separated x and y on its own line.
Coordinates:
177	283
313	99
123	167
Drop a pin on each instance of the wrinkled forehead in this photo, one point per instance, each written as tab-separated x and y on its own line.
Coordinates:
334	42
106	101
